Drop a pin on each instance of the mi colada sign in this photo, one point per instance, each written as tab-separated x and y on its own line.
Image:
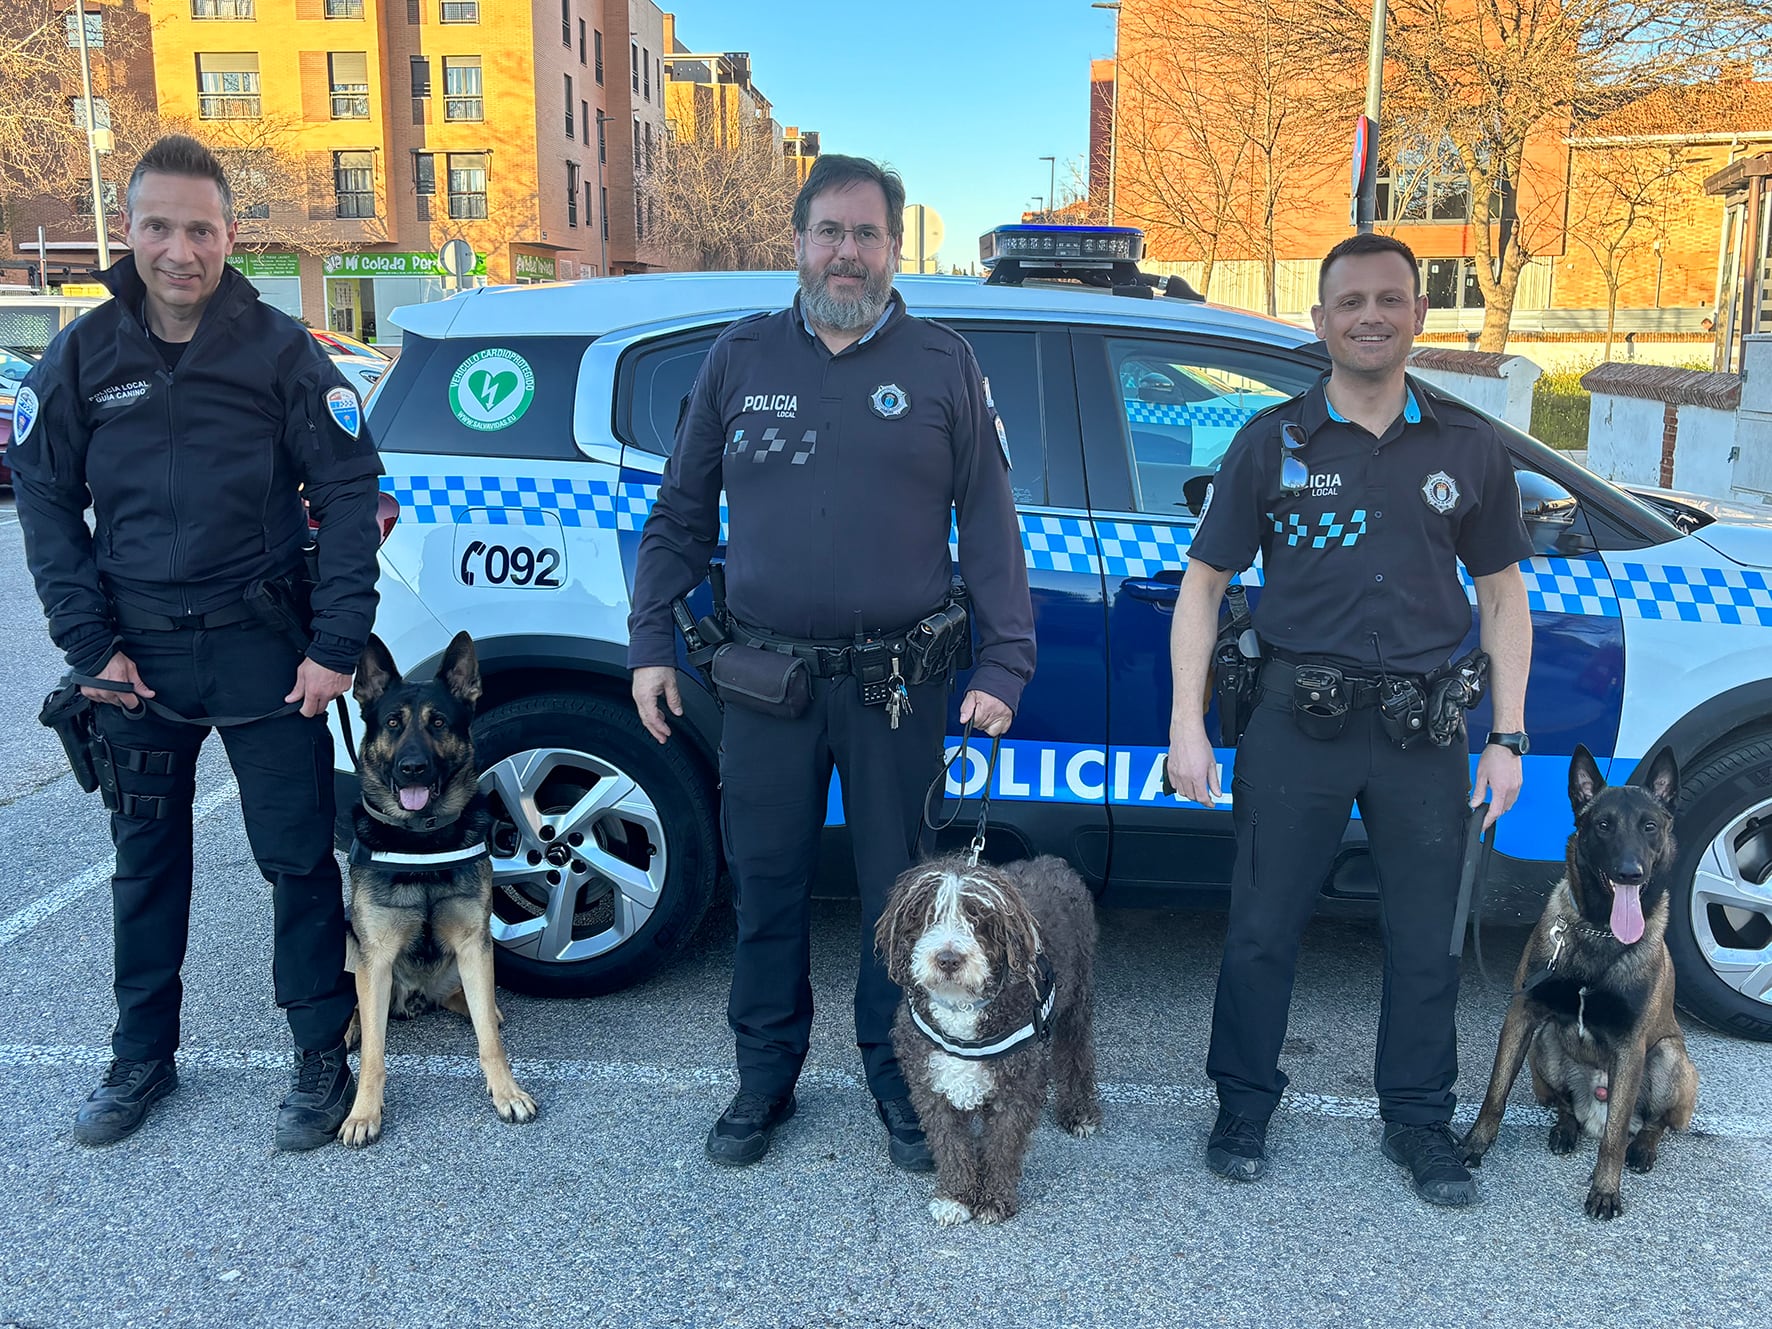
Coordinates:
389	265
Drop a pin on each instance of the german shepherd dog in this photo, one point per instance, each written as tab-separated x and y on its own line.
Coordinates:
1593	1003
419	933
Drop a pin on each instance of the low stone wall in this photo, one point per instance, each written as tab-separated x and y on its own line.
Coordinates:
1654	425
1499	384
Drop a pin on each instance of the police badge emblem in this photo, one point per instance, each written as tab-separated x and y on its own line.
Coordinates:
341	405
889	401
1441	492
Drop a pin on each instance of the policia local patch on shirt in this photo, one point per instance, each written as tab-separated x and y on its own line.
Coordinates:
24	413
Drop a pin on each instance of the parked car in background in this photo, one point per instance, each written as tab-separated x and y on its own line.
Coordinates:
14	365
362	364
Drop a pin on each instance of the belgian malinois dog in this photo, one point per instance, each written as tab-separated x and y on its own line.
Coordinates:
421	878
1593	1003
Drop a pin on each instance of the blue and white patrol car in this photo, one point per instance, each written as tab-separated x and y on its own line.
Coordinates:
524	431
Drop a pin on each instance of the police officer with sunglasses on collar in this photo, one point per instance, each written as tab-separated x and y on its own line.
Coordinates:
1362	496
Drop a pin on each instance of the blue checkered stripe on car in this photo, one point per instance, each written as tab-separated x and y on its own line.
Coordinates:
521	500
1187	413
1694	595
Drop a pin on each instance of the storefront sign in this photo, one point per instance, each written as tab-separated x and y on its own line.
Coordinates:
265	265
533	267
391	265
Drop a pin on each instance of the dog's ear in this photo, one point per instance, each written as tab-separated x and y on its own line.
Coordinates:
1021	936
1585	780
460	670
1663	779
896	931
375	673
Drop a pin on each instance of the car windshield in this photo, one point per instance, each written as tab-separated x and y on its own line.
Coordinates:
13	366
339	343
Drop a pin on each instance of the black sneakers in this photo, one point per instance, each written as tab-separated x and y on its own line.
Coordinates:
741	1135
905	1142
1431	1155
1237	1147
318	1101
122	1099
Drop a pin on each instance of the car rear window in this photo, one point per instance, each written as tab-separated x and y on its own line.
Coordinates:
474	397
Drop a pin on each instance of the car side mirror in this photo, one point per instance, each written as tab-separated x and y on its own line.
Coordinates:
1549	510
1193	492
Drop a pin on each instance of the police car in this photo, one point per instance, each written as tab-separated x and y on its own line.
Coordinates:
524	432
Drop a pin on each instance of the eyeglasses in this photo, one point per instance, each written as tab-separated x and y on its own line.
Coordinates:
830	235
1294	475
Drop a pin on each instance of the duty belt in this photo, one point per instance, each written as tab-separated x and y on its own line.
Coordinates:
828	659
1278	676
133	619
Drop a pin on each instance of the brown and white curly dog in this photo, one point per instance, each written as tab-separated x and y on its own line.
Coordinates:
998	970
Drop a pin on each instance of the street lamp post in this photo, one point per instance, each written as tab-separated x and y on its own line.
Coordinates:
1052	180
99	222
1114	110
1366	213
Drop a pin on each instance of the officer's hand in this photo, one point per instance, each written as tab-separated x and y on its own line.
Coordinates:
986	713
316	686
1192	765
650	683
1498	779
120	669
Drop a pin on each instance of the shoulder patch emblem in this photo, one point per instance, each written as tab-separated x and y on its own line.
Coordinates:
1205	503
1441	492
24	413
341	405
889	401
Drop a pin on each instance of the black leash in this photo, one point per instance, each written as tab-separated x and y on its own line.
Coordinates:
984	802
1478	849
149	705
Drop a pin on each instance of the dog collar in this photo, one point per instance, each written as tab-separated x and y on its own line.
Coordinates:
363	856
979	1049
423	824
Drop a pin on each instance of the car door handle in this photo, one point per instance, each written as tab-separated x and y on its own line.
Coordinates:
1157	592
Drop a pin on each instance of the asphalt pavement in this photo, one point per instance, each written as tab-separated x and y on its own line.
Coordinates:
604	1211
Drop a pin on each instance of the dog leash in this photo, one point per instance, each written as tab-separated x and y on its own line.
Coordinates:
976	848
1471	878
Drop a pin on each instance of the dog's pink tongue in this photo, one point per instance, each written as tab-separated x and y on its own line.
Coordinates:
415	797
1627	913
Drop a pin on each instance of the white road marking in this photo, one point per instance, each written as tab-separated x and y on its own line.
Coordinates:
45	906
644	1076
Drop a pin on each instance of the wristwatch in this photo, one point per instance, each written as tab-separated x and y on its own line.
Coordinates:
1516	742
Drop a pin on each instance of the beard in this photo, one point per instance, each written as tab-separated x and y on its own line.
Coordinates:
844	313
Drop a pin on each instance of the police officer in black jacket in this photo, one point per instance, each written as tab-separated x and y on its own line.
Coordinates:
1361	496
848	437
194	420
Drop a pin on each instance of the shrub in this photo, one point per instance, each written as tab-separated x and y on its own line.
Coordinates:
1560	409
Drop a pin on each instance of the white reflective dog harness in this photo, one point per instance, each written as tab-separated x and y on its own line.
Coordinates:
1045	990
443	858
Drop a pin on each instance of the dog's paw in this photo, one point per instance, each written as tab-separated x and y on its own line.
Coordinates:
360	1129
1471	1150
1639	1157
1603	1204
993	1211
1564	1136
514	1106
948	1213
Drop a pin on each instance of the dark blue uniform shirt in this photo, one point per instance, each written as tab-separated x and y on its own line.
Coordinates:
843	476
1361	566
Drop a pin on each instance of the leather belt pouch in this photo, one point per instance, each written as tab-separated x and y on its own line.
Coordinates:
768	682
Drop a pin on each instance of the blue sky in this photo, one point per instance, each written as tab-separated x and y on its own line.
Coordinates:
963	97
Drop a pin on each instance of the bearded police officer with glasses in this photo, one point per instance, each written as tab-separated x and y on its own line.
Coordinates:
1362	496
848	436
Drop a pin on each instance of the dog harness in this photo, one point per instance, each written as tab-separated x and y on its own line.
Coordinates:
978	1049
361	856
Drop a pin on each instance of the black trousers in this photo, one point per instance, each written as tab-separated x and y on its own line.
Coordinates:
774	783
284	770
1291	798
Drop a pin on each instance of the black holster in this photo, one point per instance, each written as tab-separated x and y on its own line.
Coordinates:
1452	690
1321	699
285	604
69	712
1236	668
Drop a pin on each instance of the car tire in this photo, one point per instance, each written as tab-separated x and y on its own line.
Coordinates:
1721	902
608	865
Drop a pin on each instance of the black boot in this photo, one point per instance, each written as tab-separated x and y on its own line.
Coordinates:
1237	1147
1431	1155
905	1142
319	1099
122	1099
741	1135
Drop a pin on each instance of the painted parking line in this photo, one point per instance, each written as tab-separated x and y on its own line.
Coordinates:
641	1075
48	905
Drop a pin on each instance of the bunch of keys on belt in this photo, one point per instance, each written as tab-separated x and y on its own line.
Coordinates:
898	696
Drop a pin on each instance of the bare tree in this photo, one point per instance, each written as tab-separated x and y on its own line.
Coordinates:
1620	202
1502	82
721	207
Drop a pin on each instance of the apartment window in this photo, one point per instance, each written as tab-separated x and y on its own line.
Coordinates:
461	11
221	9
252	192
1425	183
566	22
649	145
572	194
603	208
101	112
646	71
587	202
353	182
227	86
421	76
424	173
634	59
95	37
597	48
344	8
602	143
348	72
639	220
82	199
467	185
581	41
462	99
584	121
570	131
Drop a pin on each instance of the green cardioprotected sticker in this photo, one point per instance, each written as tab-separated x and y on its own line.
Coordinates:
492	389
